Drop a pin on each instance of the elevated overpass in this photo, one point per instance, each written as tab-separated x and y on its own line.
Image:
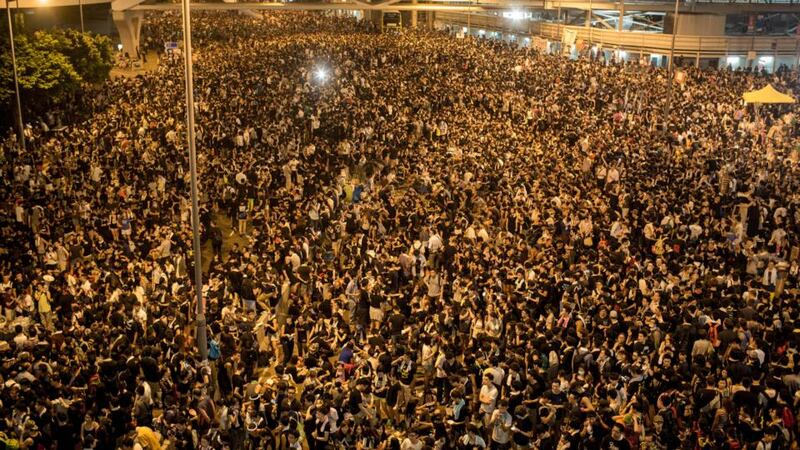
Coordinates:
700	32
484	5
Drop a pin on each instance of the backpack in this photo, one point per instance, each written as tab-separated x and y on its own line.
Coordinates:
213	350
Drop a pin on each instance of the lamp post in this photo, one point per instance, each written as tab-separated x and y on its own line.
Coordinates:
469	19
80	8
16	76
671	68
558	33
200	309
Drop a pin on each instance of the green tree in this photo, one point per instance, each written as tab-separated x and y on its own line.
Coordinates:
45	76
90	55
52	67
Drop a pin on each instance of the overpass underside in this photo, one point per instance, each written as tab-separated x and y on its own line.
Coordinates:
644	27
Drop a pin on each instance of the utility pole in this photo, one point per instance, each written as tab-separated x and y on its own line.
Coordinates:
20	126
200	309
671	68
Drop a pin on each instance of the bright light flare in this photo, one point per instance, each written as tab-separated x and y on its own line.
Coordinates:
321	74
517	15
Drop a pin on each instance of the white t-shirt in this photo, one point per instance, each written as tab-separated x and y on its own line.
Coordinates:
488	396
472	441
408	445
435	243
501	422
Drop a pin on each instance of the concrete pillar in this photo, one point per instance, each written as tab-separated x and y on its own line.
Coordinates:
588	22
697	56
414	15
797	50
430	16
129	26
374	16
621	16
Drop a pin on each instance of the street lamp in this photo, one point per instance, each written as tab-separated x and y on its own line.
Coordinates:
80	8
200	311
671	68
16	76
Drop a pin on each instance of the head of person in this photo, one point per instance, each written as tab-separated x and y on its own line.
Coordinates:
618	431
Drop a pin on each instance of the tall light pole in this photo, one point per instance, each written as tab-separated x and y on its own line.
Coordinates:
671	68
16	77
80	8
469	19
559	36
200	310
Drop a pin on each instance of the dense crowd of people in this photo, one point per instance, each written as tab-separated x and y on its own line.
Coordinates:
412	241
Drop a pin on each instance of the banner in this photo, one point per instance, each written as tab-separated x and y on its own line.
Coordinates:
540	44
569	37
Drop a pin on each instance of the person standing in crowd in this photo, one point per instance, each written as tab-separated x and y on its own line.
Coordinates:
421	248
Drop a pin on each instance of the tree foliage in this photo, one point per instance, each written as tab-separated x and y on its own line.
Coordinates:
90	54
52	66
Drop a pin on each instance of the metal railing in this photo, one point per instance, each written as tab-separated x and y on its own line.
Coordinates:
687	46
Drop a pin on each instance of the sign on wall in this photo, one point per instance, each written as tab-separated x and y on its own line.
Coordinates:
569	37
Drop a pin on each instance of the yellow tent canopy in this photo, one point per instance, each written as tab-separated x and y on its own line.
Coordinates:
767	94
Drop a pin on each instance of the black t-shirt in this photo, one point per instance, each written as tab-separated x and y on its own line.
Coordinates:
745	399
610	443
375	300
524	425
396	322
385	362
705	396
556	398
391	395
406	371
150	369
515	399
354	401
